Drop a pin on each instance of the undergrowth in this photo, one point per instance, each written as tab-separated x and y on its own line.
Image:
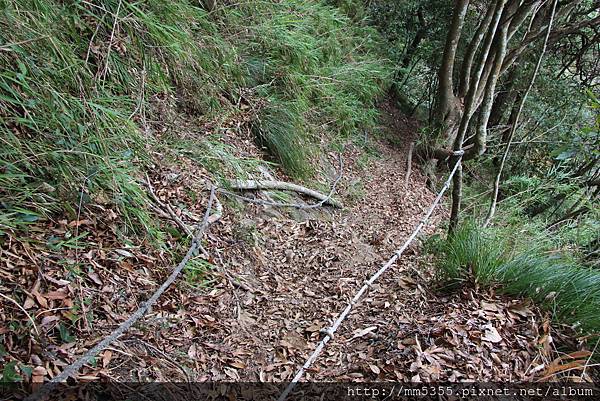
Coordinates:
79	81
518	264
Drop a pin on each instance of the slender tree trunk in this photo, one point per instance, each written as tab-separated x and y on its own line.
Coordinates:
447	112
464	123
494	200
469	57
510	122
413	46
481	136
504	97
456	199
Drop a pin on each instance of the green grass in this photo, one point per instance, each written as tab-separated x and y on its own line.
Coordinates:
467	254
521	265
199	273
79	83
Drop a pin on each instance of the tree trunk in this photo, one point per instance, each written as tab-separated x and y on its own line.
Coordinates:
503	98
481	136
448	111
494	200
467	64
456	199
413	46
464	123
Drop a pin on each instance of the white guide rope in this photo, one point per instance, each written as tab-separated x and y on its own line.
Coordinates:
368	283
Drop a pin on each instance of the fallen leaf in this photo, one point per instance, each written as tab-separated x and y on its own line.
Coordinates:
375	369
125	253
491	335
313	328
57	295
95	278
192	351
238	364
106	357
29	303
363	332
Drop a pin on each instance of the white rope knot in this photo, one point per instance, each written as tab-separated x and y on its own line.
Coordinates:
327	331
458	152
368	284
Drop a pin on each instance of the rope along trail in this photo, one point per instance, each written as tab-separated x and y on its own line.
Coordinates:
368	283
141	311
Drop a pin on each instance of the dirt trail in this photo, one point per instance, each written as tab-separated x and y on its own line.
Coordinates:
299	274
284	279
278	278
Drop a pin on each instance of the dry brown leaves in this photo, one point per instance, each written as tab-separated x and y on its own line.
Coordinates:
276	280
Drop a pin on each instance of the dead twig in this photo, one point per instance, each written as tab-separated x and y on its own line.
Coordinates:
171	213
587	363
24	311
163	354
245	185
110	41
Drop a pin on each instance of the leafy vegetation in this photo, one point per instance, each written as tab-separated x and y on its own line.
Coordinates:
84	88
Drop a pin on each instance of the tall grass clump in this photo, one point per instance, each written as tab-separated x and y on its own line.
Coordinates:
80	81
523	267
75	78
570	290
468	253
320	72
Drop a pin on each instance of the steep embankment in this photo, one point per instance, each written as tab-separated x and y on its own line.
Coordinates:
95	96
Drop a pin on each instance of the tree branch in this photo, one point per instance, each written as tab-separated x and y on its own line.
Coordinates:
494	199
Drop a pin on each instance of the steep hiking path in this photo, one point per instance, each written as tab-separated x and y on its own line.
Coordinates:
252	307
282	275
279	278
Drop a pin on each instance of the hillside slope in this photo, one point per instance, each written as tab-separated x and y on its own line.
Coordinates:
117	119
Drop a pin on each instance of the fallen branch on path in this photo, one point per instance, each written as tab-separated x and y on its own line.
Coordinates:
255	185
165	206
73	368
170	213
409	165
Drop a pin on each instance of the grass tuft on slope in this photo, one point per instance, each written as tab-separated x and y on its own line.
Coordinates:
554	281
79	79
